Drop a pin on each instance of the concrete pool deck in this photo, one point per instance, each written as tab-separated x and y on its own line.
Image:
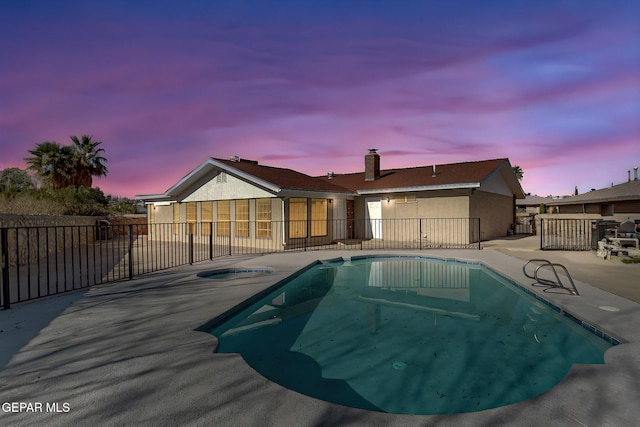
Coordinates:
127	354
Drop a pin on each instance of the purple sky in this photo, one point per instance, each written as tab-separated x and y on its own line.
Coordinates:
311	85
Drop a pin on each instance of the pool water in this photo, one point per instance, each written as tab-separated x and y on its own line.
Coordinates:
406	335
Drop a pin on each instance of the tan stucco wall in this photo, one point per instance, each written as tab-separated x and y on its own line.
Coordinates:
431	204
442	205
163	214
495	212
405	226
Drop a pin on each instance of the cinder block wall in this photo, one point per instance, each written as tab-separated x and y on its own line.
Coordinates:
30	237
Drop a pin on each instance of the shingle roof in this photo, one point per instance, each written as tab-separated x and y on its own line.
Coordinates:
284	178
456	175
628	191
446	175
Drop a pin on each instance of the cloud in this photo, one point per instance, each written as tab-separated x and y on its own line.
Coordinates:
313	86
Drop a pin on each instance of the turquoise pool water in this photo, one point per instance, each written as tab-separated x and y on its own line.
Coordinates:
406	335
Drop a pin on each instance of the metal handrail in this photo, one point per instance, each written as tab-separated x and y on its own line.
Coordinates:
552	265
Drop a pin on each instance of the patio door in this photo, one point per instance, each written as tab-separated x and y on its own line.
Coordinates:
374	218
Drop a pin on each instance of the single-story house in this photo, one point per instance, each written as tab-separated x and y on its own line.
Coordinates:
617	203
531	204
283	205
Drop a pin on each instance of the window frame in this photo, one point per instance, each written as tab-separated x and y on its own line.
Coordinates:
298	226
242	217
263	218
223	219
319	225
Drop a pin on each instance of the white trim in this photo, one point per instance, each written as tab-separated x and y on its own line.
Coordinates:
419	188
202	170
373	223
145	197
251	178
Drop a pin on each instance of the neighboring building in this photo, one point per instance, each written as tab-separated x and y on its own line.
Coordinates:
283	205
531	204
618	203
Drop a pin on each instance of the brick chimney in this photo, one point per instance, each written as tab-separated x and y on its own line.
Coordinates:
372	165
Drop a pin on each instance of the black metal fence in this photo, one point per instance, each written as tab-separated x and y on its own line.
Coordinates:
566	234
47	260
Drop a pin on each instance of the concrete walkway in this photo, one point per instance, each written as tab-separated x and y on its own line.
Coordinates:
127	353
610	275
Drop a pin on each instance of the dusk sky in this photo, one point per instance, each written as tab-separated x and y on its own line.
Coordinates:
311	85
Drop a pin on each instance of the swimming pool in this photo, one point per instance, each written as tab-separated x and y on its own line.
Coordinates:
406	335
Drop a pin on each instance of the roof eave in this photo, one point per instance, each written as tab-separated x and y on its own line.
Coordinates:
457	186
510	179
151	197
202	170
266	185
598	200
328	191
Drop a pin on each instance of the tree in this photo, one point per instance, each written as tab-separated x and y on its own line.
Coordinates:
543	208
63	166
15	180
53	163
87	160
517	170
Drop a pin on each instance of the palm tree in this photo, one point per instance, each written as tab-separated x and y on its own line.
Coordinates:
87	160
53	163
517	170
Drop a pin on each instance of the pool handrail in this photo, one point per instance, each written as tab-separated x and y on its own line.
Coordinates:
554	284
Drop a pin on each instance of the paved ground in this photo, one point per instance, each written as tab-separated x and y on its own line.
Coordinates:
610	275
127	353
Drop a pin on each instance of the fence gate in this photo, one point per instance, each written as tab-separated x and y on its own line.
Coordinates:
565	234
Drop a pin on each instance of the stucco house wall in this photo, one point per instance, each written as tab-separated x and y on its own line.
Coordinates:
404	214
494	211
423	203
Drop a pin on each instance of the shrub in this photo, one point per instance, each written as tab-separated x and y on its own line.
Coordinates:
122	206
65	201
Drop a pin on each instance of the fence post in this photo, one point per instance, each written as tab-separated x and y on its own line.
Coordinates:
479	239
211	240
541	232
190	247
130	226
420	232
4	249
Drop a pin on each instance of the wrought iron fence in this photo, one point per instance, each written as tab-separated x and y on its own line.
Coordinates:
48	260
566	234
